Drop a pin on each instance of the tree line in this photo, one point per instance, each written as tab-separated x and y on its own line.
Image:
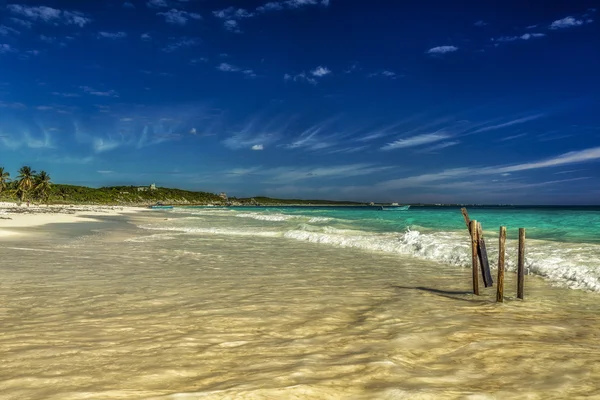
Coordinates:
28	185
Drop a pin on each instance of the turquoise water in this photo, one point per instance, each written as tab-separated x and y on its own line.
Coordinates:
564	224
563	243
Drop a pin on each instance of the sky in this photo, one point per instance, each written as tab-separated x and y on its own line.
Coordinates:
431	101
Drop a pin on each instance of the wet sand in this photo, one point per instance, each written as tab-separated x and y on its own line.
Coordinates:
123	313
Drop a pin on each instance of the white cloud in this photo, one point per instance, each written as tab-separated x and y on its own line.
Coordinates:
6	48
566	22
22	22
480	23
48	39
94	92
320	71
101	145
156	3
442	49
232	13
525	36
311	78
509	123
384	73
128	5
112	35
226	67
290	4
7	30
146	37
193	131
49	14
258	147
180	44
416	140
179	17
573	157
293	174
66	94
232	26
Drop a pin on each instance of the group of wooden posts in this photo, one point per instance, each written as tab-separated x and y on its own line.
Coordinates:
479	253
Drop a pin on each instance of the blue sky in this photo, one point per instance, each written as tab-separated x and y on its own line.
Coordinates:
489	102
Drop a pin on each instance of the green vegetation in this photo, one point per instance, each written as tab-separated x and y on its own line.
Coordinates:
37	187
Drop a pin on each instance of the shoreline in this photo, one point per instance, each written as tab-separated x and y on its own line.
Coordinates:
13	217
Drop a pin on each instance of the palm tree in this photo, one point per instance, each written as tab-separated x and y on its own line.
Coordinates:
42	185
25	182
4	179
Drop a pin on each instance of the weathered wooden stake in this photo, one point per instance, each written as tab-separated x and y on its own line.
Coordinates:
521	264
486	273
481	251
501	252
474	246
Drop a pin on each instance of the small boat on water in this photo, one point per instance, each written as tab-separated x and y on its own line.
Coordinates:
394	208
160	206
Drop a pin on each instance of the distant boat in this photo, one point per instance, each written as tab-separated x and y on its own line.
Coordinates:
160	206
394	208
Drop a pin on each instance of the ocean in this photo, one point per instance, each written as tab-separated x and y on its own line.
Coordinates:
563	243
298	303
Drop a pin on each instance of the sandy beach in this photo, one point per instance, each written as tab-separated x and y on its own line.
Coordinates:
13	215
128	312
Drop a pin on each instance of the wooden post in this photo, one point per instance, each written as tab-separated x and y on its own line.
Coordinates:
501	252
486	273
521	264
481	251
474	246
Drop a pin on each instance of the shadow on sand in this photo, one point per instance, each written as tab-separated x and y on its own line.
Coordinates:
450	294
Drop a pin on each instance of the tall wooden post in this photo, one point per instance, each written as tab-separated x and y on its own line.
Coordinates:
521	264
486	273
481	251
474	245
501	252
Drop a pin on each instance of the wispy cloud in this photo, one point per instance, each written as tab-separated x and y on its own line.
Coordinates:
568	22
94	92
112	35
182	43
573	157
439	146
525	36
226	67
290	4
294	174
157	4
179	17
258	147
49	14
384	73
509	123
512	137
6	48
417	140
320	71
7	30
442	50
232	15
311	77
146	37
480	23
66	94
128	5
22	22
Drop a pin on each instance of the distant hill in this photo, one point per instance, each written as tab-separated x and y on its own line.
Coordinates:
145	195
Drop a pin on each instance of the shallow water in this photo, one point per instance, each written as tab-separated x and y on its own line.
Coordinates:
134	313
